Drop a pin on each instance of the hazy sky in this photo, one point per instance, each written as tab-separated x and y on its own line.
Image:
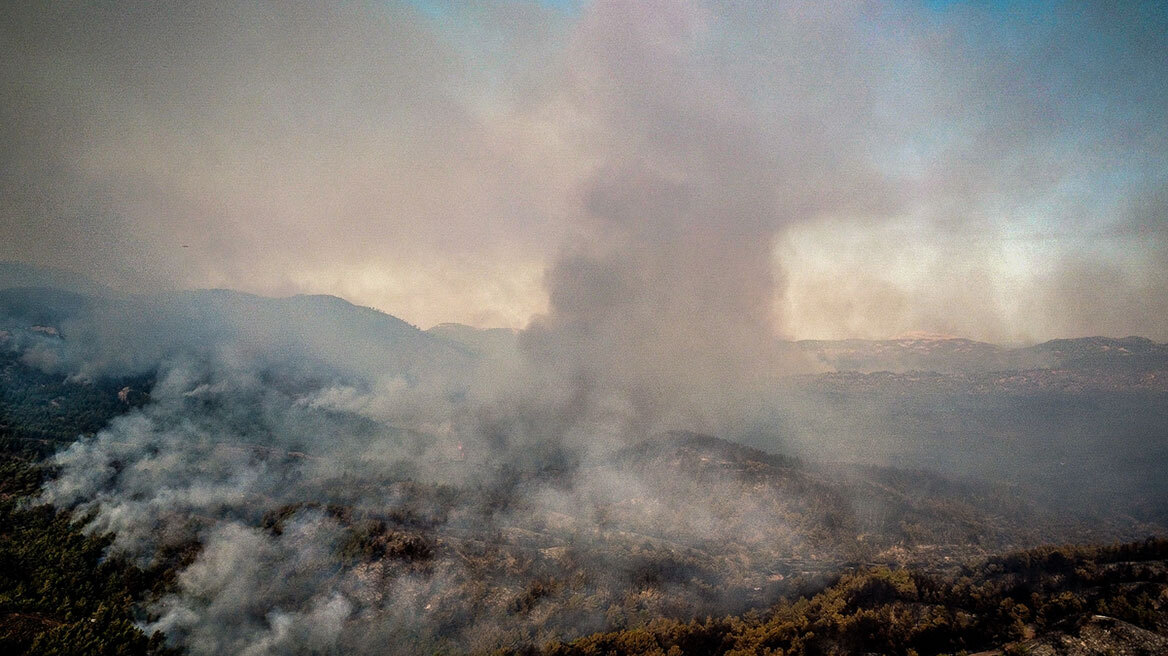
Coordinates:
995	170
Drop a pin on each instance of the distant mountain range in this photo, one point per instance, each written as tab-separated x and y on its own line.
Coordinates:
952	355
56	298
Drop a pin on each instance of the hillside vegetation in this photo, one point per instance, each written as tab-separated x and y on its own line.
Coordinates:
1044	600
61	593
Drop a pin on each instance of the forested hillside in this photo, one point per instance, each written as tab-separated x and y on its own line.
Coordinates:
1051	600
61	591
41	412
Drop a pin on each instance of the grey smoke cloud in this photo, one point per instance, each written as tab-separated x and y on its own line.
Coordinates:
435	166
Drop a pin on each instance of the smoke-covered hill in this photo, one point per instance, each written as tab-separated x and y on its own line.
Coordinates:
99	335
334	478
1092	437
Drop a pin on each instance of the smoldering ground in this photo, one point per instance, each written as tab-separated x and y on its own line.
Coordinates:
252	474
446	496
317	527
